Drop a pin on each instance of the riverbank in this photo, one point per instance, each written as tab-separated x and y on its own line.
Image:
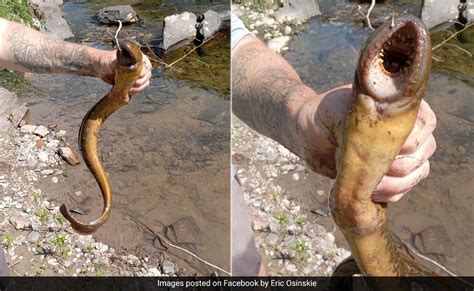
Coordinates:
36	238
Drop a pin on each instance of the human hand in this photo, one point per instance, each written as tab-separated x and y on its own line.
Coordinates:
320	123
108	65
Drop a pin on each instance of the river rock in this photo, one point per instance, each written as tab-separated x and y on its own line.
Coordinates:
211	23
41	130
68	155
49	13
278	43
294	10
12	111
124	13
435	240
271	239
28	128
435	12
185	230
178	28
167	267
33	236
19	222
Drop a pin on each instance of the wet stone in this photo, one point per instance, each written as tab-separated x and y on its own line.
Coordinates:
68	155
185	230
434	240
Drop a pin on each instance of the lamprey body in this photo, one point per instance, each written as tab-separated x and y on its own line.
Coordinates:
389	83
129	58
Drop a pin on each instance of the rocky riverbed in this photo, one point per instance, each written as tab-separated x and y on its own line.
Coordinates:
36	238
289	234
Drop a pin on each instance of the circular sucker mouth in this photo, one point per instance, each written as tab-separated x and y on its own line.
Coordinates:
398	52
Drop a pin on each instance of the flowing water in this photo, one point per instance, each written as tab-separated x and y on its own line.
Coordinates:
166	153
437	215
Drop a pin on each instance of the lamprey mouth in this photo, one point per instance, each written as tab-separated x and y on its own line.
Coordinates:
398	53
393	62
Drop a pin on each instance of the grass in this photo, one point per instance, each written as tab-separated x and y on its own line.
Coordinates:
59	240
16	10
89	247
60	219
300	222
282	218
299	246
6	240
34	197
43	216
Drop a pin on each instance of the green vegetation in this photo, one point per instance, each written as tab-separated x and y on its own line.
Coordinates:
209	71
300	222
60	219
282	218
34	197
6	240
98	272
299	246
43	216
89	247
16	10
275	197
59	240
454	57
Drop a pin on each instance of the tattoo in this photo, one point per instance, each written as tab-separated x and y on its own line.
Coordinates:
261	90
48	55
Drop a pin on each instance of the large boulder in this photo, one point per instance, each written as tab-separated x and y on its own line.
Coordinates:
124	13
297	10
12	111
435	12
49	13
178	28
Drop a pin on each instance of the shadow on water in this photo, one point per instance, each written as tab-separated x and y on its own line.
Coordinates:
166	154
437	215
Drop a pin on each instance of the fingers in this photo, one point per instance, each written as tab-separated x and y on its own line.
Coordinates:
391	189
143	80
405	164
424	126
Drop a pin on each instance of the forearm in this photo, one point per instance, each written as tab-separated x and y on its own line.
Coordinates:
27	50
266	91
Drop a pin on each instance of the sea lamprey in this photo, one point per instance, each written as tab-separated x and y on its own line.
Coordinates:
389	83
129	58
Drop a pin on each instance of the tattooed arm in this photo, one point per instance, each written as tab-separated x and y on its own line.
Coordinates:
27	50
269	96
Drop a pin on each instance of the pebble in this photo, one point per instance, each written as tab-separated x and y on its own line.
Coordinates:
53	262
330	238
41	130
288	30
167	267
295	176
55	180
320	192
